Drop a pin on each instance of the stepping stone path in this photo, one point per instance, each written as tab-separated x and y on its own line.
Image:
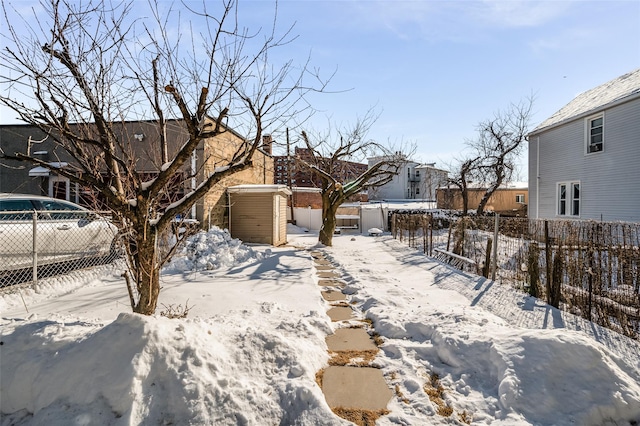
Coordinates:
353	389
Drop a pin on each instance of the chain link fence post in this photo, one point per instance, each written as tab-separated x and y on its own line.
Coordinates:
35	246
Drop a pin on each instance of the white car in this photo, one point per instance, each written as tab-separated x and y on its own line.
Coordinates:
64	231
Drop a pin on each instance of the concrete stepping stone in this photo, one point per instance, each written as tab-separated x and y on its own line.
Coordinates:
350	339
355	387
324	268
340	313
327	274
331	283
321	262
333	295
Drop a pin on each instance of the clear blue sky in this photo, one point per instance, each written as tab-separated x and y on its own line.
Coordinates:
435	69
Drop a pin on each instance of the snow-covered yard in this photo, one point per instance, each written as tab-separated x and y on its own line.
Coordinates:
73	354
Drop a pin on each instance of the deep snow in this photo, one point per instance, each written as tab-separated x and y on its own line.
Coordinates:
248	351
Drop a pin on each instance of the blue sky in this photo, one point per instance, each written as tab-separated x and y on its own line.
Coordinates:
434	69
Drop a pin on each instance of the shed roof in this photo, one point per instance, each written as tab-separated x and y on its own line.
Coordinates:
252	189
617	90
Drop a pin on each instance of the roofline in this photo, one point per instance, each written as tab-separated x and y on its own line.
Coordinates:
77	123
227	128
600	108
426	166
150	121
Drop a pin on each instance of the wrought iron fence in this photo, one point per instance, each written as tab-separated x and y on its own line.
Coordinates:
589	268
39	244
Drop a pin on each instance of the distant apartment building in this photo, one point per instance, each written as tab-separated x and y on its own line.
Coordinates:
414	181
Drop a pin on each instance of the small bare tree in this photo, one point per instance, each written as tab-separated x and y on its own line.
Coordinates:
500	141
462	172
79	71
329	159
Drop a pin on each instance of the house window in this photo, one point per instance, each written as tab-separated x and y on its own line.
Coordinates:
417	191
569	199
595	134
575	199
520	198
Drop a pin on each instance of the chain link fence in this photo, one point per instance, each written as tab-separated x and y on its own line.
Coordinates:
39	244
589	268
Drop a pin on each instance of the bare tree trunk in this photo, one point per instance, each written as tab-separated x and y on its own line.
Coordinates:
148	278
328	220
486	196
465	200
149	286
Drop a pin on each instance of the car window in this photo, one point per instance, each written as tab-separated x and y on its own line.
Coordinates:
15	206
61	210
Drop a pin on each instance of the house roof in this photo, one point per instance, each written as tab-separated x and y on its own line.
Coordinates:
617	90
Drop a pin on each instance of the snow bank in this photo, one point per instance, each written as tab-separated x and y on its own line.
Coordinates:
220	370
212	250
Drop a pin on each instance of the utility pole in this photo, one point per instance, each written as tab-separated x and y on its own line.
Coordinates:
289	171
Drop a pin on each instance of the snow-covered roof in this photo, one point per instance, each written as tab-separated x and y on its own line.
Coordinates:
483	186
400	205
431	166
617	90
306	189
259	188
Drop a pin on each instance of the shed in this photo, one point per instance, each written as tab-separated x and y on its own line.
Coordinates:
258	213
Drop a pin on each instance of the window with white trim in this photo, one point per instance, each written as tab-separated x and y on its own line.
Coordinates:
569	199
595	133
520	198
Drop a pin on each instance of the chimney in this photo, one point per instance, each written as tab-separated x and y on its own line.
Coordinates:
267	141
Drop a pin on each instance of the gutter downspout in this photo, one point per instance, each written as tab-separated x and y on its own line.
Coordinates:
229	203
537	177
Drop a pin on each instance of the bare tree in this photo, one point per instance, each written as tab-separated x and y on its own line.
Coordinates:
461	175
81	71
499	143
329	159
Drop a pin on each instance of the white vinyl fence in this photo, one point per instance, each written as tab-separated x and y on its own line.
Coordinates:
307	218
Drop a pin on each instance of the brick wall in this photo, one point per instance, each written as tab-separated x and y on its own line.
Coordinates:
217	151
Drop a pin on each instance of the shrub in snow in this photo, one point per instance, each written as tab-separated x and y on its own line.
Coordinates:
210	250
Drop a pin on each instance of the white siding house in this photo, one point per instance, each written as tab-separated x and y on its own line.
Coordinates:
414	181
584	161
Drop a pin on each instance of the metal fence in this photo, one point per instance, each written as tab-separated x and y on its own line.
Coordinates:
40	244
589	268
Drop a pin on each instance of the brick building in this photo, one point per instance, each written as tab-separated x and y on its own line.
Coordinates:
289	170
